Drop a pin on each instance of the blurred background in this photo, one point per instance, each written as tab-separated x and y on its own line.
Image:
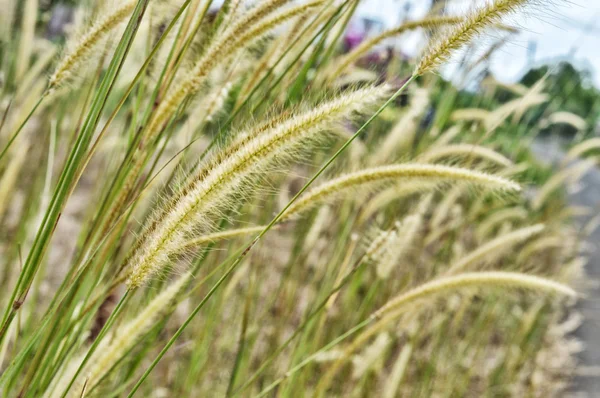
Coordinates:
563	43
566	31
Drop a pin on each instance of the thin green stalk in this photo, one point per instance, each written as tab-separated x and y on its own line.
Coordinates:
303	325
332	159
135	80
23	123
5	114
181	329
322	32
241	256
342	30
241	344
118	179
230	119
72	165
106	209
19	360
308	360
98	339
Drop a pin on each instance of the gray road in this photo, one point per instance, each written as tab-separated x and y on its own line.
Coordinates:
588	379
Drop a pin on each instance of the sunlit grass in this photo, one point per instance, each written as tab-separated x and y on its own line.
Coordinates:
197	204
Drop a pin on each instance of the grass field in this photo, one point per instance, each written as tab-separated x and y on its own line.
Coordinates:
199	203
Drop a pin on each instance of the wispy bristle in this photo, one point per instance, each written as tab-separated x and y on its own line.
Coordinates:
478	280
468	151
461	34
388	173
80	49
209	189
246	30
495	247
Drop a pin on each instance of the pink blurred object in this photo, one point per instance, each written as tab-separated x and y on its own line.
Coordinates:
359	29
355	34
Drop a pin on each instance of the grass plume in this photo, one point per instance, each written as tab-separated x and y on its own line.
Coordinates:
465	151
367	45
435	173
476	280
208	190
239	142
495	247
80	49
460	34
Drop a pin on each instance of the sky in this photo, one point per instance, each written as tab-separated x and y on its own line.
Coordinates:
565	28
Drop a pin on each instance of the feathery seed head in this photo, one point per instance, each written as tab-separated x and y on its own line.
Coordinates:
389	173
476	280
465	150
363	48
393	193
469	114
544	244
379	245
571	174
79	50
402	135
113	347
242	34
209	189
219	236
495	247
581	148
462	33
394	245
569	118
501	216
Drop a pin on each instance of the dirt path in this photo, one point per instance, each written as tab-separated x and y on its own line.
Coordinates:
589	332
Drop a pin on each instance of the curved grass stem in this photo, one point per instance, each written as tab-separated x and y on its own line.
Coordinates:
249	247
23	123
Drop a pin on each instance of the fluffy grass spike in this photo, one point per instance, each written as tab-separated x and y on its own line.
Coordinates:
209	190
389	173
454	39
79	50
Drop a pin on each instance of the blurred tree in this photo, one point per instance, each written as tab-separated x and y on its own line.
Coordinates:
570	90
